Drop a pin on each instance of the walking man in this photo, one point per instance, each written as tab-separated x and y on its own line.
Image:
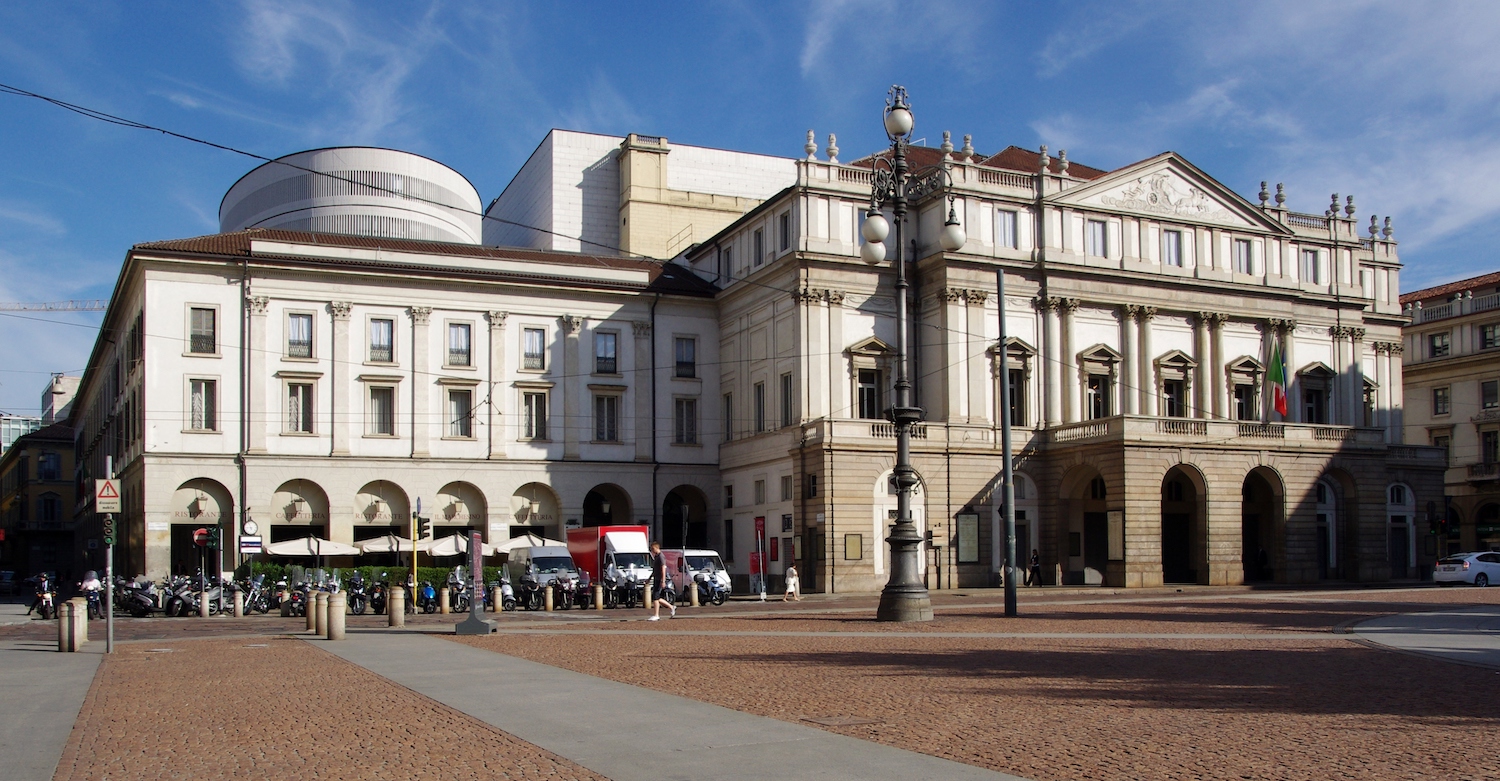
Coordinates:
659	578
1034	573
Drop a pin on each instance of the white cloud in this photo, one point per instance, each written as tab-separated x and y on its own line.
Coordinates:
31	217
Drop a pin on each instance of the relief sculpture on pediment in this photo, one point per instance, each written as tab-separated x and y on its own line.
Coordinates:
1160	193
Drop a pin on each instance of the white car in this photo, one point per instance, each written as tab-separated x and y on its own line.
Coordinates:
1480	569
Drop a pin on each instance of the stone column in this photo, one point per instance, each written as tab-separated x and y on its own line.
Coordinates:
495	416
1204	359
1129	373
261	416
814	362
1216	368
839	380
1357	377
1382	387
341	374
1072	392
974	360
568	380
1293	385
421	414
1147	365
1397	434
952	338
640	385
1050	358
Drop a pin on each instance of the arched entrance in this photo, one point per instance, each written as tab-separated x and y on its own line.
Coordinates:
460	507
684	518
1401	533
381	508
1184	549
1028	531
196	504
1261	521
534	509
1084	527
606	504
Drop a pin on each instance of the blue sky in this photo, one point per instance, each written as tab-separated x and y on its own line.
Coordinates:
1393	102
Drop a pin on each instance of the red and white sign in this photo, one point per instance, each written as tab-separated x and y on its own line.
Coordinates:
107	496
200	537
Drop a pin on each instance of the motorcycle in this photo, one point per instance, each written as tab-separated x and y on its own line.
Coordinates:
256	599
427	597
507	595
298	599
44	597
564	591
139	598
622	588
377	597
531	593
710	590
358	601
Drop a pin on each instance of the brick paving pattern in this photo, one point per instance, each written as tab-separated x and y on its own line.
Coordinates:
221	708
1319	708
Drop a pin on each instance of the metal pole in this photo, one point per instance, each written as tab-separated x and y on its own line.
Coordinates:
905	597
109	571
1008	486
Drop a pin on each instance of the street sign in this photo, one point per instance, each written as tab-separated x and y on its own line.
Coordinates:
107	496
249	545
200	537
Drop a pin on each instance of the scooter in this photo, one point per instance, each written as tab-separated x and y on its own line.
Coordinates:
531	593
358	601
564	591
507	596
710	590
139	598
377	598
427	597
44	597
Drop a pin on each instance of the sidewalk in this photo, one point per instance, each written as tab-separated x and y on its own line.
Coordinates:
626	732
1465	635
44	690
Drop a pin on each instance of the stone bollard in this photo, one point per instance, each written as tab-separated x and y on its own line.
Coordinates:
693	593
497	600
203	604
338	605
598	596
239	604
647	595
547	598
67	640
395	607
443	601
310	610
1057	579
80	619
320	613
286	605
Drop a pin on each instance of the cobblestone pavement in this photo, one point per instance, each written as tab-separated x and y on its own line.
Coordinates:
1322	707
277	708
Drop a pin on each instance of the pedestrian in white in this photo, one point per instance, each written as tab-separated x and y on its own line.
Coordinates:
792	585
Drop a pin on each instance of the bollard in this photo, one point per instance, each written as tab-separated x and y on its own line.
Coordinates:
647	595
496	600
693	593
66	641
203	604
338	605
320	613
443	601
286	605
395	607
80	620
239	604
547	598
310	610
598	596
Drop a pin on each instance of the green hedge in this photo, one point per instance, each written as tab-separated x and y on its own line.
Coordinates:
397	575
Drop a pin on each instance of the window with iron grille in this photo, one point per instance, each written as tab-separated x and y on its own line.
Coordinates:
685	349
382	340
458	344
203	337
605	343
534	349
299	339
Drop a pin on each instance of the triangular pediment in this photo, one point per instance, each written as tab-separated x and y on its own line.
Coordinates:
871	346
1167	187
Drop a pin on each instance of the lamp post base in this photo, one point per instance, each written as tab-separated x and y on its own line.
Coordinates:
903	605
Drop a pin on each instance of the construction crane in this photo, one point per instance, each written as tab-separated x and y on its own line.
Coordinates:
77	305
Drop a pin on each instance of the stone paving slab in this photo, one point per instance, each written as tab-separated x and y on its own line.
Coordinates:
43	691
1466	635
625	732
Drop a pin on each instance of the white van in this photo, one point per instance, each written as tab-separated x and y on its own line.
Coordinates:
543	562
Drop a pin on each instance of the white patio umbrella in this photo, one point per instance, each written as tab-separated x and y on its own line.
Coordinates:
391	543
527	540
456	544
310	546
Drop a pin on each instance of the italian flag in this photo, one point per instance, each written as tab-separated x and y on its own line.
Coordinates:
1277	376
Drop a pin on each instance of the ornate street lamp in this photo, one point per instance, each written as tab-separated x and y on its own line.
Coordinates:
905	596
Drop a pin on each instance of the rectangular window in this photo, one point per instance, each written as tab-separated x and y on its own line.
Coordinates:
1016	380
382	335
1489	446
685	350
786	231
1439	345
48	466
868	394
205	405
534	412
1314	405
607	418
729	269
1442	442
299	408
728	417
1099	393
758	242
811	479
458	345
786	488
534	349
760	492
729	539
1242	257
728	496
1489	336
1442	402
1245	407
299	340
1310	267
1173	399
1005	229
1489	394
203	337
760	407
604	352
461	413
383	411
1098	238
685	422
1171	248
788	406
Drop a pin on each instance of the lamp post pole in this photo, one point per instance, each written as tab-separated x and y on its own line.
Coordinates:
905	596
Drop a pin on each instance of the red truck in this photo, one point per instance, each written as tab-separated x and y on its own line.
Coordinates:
595	548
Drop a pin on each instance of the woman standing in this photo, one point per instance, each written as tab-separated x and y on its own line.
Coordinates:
792	586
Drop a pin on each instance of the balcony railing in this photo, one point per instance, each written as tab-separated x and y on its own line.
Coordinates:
1482	471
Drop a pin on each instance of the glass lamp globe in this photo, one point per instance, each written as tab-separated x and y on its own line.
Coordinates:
875	228
898	122
952	238
873	252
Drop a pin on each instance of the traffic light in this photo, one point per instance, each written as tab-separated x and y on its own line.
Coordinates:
109	530
214	535
424	527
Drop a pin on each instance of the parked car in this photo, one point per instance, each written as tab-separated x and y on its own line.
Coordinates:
1479	569
8	583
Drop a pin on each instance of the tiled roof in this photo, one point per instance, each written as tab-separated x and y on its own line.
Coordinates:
1012	158
1444	291
665	277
